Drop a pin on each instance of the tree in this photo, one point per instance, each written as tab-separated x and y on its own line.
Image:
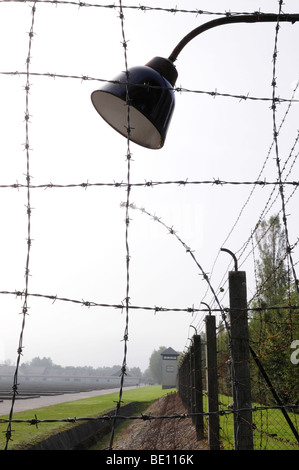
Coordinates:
272	330
272	274
146	376
44	362
155	365
135	372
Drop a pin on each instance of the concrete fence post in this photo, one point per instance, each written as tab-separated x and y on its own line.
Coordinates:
243	432
212	383
198	396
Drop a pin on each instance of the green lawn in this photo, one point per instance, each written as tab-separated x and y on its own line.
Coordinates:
25	434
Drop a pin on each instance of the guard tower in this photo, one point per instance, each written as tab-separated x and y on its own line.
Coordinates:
169	368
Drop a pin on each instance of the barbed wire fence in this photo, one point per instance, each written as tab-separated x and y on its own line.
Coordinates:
263	336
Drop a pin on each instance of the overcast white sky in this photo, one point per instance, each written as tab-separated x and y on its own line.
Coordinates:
78	249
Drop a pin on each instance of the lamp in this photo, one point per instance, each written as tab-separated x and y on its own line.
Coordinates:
139	103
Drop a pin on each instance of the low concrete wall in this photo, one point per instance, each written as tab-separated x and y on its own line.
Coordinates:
82	436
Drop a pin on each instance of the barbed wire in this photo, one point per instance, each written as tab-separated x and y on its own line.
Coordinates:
267	207
258	181
121	305
144	417
148	184
213	93
143	8
127	223
275	134
29	240
186	247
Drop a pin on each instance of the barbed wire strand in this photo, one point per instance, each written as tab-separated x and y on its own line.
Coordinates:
148	184
214	93
29	240
121	306
143	8
127	223
145	417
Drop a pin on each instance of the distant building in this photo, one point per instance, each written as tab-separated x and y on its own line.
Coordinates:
169	368
61	378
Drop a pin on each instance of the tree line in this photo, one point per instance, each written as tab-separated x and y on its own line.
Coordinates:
50	367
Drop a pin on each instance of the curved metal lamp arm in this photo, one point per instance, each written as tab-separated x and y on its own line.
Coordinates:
250	18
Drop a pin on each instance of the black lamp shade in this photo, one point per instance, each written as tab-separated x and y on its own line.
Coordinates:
139	104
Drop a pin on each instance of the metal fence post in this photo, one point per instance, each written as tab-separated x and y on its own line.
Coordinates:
243	432
212	383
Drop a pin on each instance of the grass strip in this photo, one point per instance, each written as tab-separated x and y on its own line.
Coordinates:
25	435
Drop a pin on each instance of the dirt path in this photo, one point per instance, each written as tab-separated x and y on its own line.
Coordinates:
161	434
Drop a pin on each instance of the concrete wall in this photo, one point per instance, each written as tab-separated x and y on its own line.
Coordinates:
82	436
